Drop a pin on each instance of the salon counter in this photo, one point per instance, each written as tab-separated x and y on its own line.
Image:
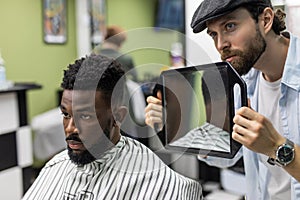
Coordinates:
15	141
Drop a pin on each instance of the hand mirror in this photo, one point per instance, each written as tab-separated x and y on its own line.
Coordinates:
198	109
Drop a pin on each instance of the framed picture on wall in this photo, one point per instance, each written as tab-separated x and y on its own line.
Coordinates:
55	21
97	11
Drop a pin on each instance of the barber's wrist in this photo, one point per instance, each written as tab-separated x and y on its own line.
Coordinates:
272	153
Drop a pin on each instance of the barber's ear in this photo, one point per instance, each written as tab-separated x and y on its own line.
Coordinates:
268	19
120	114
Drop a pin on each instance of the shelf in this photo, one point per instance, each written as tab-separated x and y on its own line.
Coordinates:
21	87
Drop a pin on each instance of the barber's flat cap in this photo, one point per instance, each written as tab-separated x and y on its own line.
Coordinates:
210	9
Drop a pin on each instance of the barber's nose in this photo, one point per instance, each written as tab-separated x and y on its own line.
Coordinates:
222	43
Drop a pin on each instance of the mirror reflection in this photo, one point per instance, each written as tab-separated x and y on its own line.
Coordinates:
197	110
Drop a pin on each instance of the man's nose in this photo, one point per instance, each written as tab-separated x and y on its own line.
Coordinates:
71	127
222	43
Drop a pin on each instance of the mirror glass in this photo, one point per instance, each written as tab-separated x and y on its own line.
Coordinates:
197	109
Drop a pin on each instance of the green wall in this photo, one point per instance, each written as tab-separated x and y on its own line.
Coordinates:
137	17
28	58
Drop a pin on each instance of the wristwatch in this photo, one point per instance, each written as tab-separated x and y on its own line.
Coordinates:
285	154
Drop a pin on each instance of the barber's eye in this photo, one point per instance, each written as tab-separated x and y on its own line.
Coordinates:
66	115
230	26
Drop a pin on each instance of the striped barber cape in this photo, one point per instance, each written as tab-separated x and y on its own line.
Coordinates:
128	171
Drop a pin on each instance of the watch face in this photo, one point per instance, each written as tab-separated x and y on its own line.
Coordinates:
285	154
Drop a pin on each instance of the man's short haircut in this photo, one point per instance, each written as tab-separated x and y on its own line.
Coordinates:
95	72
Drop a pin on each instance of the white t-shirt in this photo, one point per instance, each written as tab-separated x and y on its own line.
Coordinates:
279	186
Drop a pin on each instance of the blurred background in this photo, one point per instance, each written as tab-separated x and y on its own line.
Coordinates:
38	39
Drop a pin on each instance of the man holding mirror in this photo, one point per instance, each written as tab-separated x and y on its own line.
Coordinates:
250	35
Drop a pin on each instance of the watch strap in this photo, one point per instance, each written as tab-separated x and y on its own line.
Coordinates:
272	161
289	142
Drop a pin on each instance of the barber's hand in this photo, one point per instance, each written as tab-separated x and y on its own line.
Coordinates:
153	111
256	132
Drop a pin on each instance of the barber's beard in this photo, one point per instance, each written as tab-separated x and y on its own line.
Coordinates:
93	153
249	57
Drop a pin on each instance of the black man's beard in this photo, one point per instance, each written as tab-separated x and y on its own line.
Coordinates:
94	152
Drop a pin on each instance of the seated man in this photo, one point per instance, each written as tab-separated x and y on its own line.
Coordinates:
99	163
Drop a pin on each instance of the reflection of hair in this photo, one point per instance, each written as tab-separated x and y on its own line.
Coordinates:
115	35
216	95
278	23
213	86
95	72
